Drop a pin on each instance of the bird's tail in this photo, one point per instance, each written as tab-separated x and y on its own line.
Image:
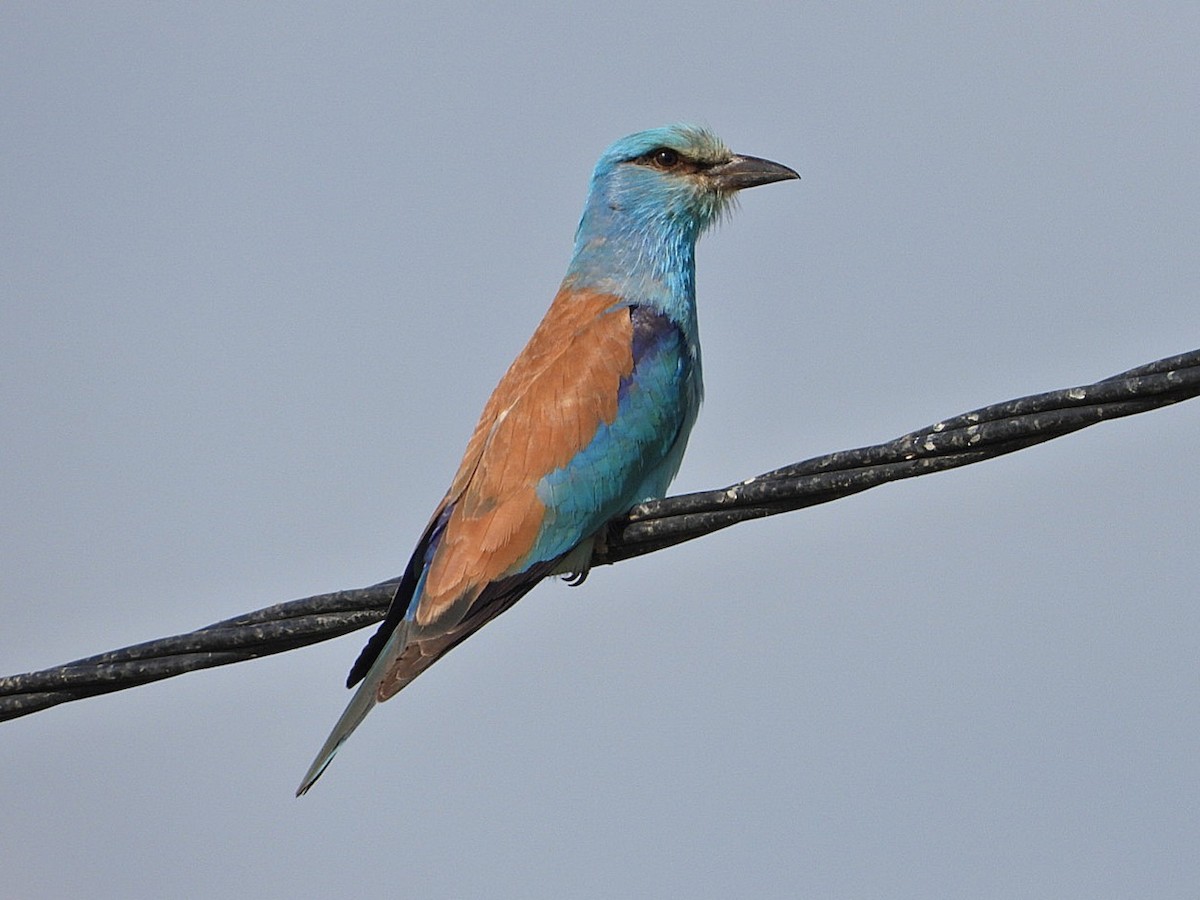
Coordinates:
360	704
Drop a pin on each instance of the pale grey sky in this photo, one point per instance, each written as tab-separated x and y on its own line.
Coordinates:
262	264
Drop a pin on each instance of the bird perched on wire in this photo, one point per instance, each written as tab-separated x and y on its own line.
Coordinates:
590	419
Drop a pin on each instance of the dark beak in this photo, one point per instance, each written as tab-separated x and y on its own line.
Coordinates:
748	171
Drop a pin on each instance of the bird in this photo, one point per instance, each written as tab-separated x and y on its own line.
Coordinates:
590	419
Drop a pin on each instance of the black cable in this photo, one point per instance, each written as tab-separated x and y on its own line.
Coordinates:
968	438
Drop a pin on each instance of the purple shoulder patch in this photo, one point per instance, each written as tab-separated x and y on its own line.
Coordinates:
651	329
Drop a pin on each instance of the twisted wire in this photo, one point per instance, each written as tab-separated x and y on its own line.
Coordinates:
958	441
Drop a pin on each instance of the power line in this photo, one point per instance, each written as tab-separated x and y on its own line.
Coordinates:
968	438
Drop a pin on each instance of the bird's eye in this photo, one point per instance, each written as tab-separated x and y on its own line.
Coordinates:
665	158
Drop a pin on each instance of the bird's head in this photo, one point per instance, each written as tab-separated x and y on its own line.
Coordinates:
652	195
679	178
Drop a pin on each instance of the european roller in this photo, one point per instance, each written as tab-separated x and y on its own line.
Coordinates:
591	419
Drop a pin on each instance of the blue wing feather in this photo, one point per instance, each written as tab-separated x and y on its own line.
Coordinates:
635	456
